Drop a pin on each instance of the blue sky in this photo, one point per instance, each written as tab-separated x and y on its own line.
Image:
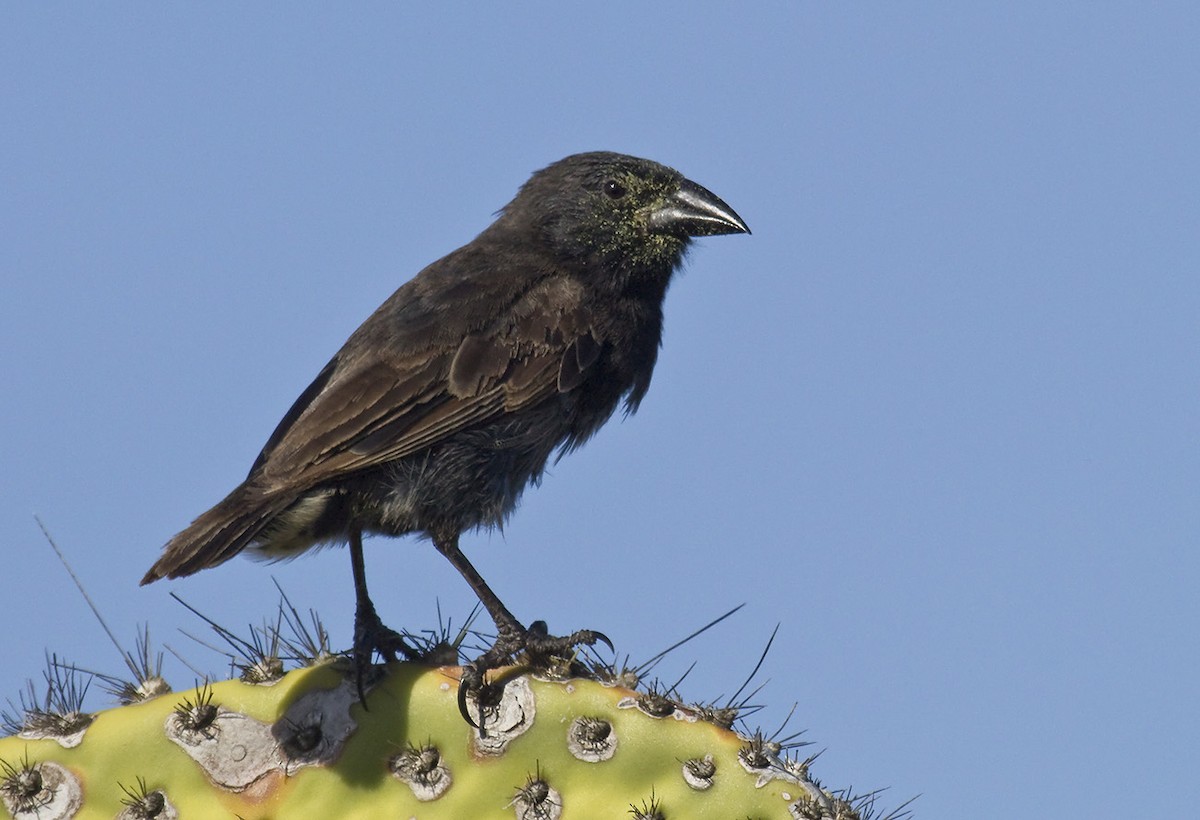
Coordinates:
937	417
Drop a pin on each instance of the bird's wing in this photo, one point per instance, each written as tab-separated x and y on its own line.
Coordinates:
385	406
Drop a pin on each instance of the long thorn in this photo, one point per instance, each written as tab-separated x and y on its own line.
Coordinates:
645	666
95	610
757	666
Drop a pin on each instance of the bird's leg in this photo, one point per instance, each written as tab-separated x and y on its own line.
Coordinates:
370	634
512	639
509	632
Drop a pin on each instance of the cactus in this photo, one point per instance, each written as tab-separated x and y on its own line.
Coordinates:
302	746
577	740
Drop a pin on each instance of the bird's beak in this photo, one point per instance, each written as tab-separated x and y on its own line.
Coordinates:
695	211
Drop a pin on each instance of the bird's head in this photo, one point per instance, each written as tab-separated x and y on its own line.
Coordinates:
626	213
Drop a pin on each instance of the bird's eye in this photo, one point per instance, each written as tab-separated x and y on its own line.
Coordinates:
613	189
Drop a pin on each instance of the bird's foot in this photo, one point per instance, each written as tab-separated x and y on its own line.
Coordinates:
534	647
371	636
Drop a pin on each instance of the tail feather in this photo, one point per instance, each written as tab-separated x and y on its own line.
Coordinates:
219	534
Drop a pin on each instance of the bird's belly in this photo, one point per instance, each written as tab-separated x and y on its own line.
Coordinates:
474	479
470	480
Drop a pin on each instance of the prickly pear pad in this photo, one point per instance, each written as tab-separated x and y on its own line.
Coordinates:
305	747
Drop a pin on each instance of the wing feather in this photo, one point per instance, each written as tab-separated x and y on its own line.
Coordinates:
361	414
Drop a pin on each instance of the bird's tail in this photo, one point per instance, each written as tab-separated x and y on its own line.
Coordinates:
219	534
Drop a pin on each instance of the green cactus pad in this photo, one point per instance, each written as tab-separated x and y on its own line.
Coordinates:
304	747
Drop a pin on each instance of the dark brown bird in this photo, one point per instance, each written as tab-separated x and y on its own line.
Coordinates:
449	400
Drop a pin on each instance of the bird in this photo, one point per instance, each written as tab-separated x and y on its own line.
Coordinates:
454	395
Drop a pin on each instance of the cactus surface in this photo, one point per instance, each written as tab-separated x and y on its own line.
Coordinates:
305	747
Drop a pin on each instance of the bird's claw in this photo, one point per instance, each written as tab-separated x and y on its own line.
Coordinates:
471	681
371	636
539	649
